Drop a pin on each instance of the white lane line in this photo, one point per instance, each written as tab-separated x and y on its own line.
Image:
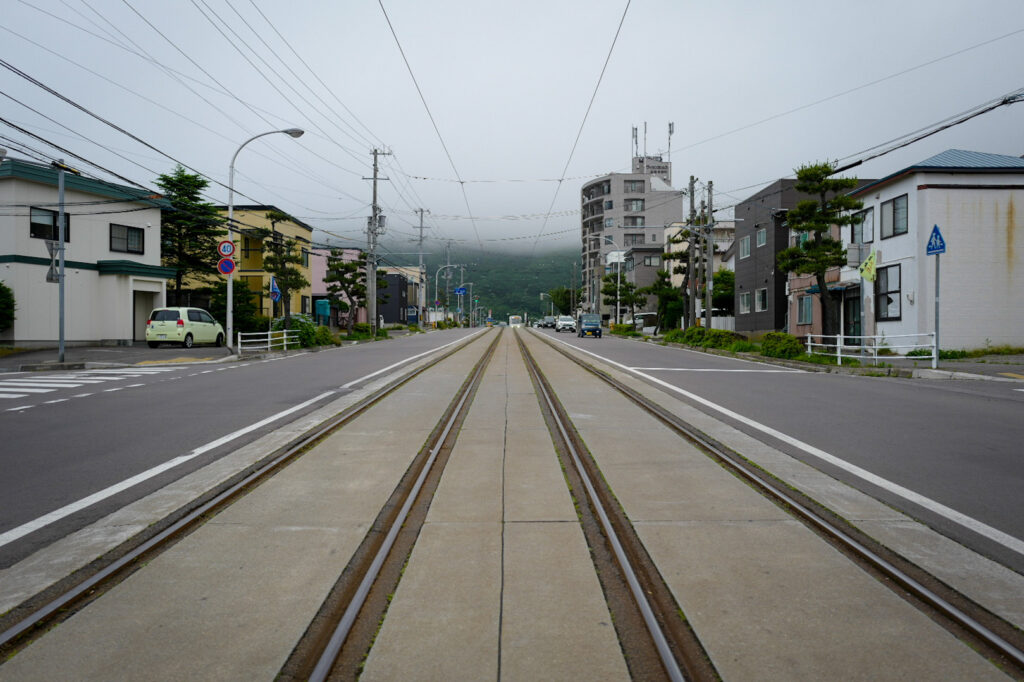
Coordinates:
23	407
26	389
689	369
111	390
409	359
994	534
58	400
133	385
82	395
12	395
39	384
56	515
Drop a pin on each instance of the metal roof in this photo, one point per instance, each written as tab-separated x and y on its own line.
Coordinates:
959	158
952	160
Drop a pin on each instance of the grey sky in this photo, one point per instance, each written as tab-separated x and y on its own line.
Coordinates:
508	84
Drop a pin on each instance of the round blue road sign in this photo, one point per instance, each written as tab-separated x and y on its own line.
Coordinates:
226	266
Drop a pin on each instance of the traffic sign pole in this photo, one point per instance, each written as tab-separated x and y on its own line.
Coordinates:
936	247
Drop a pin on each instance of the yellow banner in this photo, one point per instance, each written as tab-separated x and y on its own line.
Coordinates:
867	268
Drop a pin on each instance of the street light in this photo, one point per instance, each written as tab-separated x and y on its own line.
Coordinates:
294	132
618	272
437	279
542	295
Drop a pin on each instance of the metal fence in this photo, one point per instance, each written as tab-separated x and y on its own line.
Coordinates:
264	342
861	348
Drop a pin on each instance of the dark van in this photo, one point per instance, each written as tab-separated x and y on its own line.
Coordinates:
589	324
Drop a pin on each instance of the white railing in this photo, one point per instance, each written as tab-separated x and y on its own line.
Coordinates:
864	347
265	342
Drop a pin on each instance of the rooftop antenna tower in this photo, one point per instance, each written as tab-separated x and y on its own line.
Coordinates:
635	149
645	139
671	129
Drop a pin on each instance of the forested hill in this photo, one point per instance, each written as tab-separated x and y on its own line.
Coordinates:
505	283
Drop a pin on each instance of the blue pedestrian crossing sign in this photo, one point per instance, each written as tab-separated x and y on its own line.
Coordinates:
936	244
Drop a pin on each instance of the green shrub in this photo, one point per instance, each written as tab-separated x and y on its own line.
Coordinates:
7	307
414	328
303	324
781	345
325	337
705	338
382	333
624	330
818	359
743	346
674	336
719	338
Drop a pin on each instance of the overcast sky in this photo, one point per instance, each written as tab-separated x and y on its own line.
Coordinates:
508	85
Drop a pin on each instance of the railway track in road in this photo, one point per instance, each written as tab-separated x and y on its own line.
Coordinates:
22	624
341	627
994	638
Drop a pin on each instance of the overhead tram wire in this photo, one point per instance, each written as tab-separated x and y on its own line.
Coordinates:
430	115
586	114
301	113
297	77
379	142
228	91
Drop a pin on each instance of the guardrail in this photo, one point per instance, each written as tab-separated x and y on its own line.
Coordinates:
265	342
862	347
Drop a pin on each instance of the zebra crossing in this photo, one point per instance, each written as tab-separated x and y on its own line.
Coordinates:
32	386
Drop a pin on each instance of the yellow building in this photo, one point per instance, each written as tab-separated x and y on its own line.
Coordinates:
249	270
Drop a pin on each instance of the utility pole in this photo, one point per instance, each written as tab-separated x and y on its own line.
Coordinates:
691	274
447	278
374	228
422	302
462	285
709	267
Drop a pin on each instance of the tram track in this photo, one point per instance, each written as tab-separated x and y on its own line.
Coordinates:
995	639
33	617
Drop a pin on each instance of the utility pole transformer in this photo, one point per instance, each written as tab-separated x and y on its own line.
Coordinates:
374	228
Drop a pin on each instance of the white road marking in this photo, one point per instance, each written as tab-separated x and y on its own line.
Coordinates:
133	385
12	395
39	384
23	407
994	534
409	359
58	400
26	389
111	390
83	395
58	514
690	369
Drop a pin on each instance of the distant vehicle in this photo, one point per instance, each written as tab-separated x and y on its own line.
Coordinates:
548	321
187	326
515	320
589	325
565	323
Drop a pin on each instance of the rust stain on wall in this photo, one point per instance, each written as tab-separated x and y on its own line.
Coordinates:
1011	228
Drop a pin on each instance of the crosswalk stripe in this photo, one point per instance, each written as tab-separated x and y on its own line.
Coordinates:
12	395
36	384
28	389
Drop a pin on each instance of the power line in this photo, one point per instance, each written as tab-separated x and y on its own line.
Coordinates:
586	114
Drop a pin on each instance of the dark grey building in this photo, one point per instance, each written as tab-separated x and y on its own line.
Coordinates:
761	233
395	310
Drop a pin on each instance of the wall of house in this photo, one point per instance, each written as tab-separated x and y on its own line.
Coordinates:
98	308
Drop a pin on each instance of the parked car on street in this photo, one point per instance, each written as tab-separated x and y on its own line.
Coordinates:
565	323
187	326
589	325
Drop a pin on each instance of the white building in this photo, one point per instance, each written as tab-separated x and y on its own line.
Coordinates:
113	277
977	202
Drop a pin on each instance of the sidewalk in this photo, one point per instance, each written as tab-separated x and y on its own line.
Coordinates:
90	357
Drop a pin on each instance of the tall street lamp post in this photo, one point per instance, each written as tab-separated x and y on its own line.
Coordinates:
294	132
618	272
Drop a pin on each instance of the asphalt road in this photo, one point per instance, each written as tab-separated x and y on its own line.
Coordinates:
88	430
957	443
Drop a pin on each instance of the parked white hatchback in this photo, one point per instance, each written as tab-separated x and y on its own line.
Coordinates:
187	326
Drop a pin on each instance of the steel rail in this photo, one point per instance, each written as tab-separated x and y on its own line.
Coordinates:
326	660
38	617
774	489
668	660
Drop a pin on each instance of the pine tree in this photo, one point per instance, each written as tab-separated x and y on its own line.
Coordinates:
819	252
190	229
346	284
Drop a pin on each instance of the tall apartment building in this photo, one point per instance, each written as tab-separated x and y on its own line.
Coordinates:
620	211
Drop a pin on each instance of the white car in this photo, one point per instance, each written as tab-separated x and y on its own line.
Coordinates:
565	323
186	326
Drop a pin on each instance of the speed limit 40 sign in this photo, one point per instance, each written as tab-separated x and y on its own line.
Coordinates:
226	248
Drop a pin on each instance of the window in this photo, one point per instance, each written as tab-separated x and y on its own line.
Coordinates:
634	187
801	238
127	239
634	204
633	221
762	236
632	240
43	224
607	205
305	261
745	247
652	261
894	217
862	231
609	222
761	300
887	293
744	302
804	313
